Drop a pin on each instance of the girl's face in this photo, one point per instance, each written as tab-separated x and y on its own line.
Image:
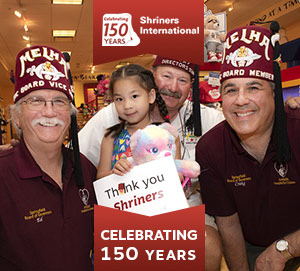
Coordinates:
132	101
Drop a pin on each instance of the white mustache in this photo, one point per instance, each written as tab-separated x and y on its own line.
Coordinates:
167	92
48	122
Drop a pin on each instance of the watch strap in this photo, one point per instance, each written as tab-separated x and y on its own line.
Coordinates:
286	254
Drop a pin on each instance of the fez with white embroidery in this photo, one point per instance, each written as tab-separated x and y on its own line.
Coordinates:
41	67
248	52
254	52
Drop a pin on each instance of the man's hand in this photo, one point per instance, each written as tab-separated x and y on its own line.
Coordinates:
270	260
5	147
122	166
293	103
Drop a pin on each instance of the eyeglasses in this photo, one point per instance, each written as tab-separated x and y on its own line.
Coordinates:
37	103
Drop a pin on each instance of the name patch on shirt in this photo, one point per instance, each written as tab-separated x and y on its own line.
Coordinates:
284	181
87	208
37	214
239	180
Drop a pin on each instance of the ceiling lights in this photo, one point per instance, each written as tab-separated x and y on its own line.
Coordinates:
64	33
67	2
26	28
18	13
121	64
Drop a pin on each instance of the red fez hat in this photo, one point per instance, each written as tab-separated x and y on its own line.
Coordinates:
41	67
254	51
248	53
186	66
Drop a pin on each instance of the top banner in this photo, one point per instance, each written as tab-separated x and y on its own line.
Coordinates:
129	28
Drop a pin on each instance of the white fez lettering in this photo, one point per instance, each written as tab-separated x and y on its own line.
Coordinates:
262	74
231	73
24	58
32	85
265	42
243	38
253	36
58	85
36	53
183	64
47	53
233	37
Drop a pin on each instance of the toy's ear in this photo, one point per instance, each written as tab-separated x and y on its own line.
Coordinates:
207	18
134	139
171	129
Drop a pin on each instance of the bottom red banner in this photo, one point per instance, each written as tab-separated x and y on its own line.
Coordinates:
128	241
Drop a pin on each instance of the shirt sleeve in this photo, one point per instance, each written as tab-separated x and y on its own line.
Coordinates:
210	117
215	195
91	135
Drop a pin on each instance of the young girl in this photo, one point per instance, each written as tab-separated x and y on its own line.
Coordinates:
134	93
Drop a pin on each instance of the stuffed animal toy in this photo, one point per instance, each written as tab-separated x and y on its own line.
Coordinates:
213	39
103	88
154	142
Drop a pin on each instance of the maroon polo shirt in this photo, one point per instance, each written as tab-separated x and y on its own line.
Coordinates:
265	196
41	226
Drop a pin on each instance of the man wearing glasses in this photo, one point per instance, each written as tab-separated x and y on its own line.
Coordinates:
46	215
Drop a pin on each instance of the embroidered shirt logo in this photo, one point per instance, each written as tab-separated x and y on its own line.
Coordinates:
239	180
37	214
242	57
45	71
84	196
281	169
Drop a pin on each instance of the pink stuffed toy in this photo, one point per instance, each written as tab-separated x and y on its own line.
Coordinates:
154	142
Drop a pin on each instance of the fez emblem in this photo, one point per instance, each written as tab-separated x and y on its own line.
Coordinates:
45	71
281	169
242	57
84	196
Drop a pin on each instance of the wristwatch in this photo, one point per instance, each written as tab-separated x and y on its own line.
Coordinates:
282	246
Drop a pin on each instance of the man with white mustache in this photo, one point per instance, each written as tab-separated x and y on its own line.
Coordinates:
46	208
250	163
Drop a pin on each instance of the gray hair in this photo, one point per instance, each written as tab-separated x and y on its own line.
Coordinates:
16	109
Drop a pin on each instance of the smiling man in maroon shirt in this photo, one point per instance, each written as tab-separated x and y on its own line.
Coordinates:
250	179
46	215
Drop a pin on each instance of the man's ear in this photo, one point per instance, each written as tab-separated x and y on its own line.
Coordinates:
152	96
192	82
16	117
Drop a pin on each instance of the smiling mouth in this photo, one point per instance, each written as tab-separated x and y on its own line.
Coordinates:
130	115
244	114
48	124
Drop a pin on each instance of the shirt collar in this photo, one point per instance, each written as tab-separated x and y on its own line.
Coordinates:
26	166
237	142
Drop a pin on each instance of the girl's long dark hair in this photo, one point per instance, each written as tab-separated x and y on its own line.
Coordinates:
145	79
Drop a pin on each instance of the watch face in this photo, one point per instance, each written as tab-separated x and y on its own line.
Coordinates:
282	245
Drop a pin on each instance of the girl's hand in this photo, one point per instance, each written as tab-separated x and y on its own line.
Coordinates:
122	166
